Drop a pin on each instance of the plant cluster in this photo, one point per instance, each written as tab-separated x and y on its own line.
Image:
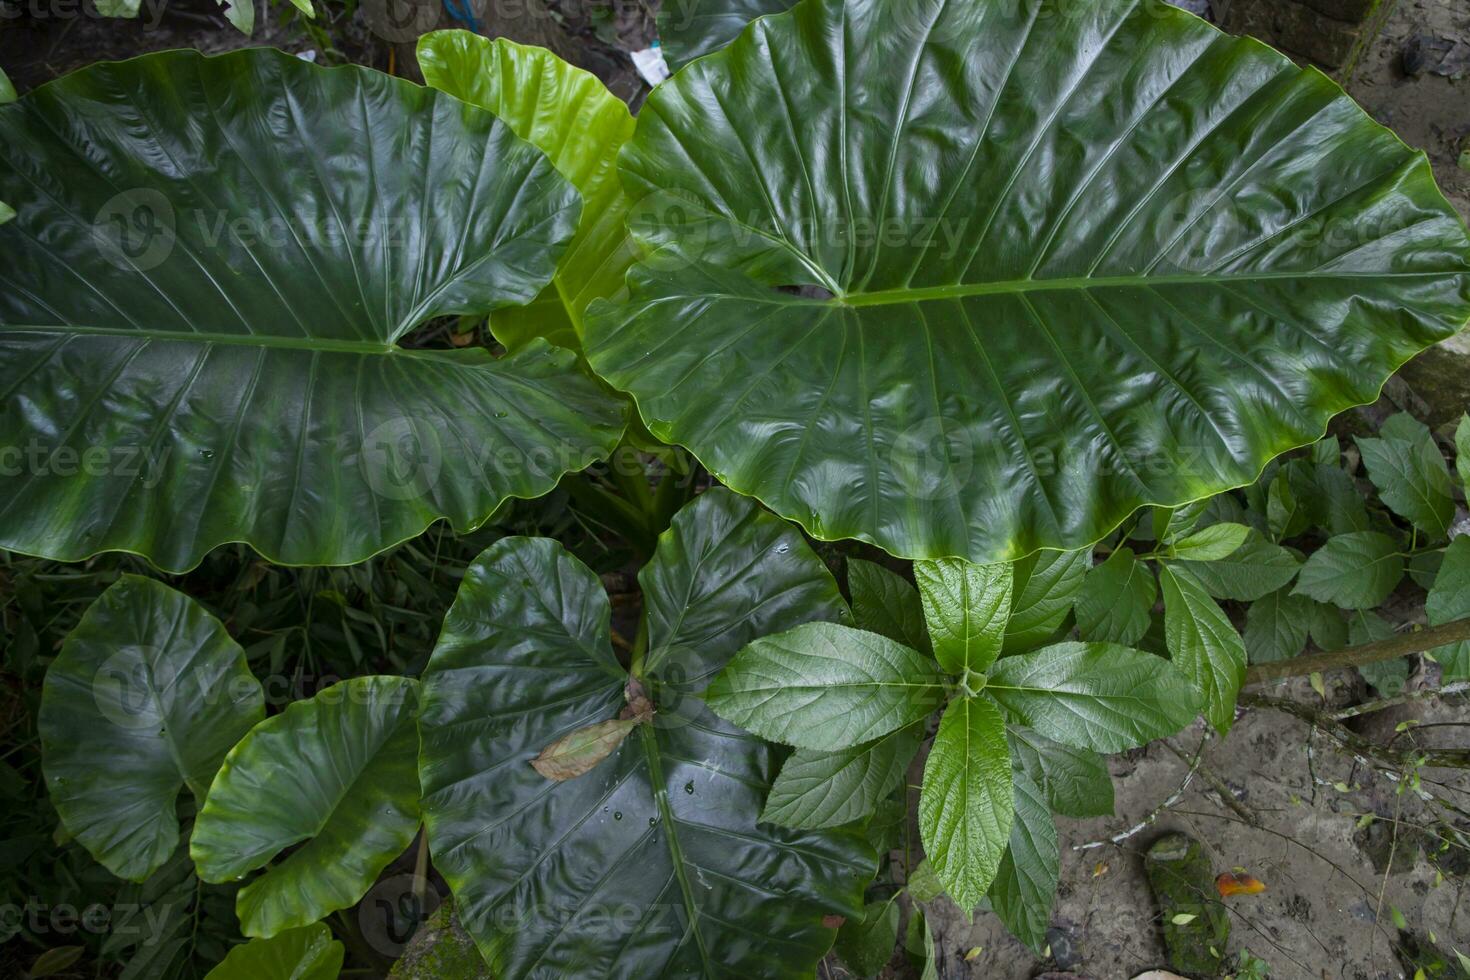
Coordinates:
999	288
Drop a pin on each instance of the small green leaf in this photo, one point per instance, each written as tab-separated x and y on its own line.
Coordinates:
1327	452
1410	474
1096	696
966	607
7	88
1450	600
1284	516
1183	918
1213	543
241	14
823	686
1046	584
865	945
1398	917
1353	571
308	953
818	789
1326	626
1253	570
884	602
1340	502
1025	887
923	884
1276	627
1117	600
1075	782
1389	676
966	804
1462	452
1203	644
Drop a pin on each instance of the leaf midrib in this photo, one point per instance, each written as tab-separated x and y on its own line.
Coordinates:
202	337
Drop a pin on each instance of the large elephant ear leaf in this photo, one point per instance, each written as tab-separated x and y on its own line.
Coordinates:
926	249
666	827
308	953
570	116
342	775
688	29
147	695
211	268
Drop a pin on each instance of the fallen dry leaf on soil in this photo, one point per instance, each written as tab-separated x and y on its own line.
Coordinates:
1233	883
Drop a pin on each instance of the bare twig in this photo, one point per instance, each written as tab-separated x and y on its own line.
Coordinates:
1459	687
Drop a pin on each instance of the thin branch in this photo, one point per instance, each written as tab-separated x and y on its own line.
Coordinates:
1392	648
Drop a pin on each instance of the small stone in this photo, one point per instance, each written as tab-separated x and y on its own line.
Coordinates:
1066	952
1196	929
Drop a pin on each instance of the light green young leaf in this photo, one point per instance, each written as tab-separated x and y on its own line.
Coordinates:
884	602
1410	474
1253	570
7	88
1025	887
1389	676
147	695
966	607
823	686
1116	600
1046	584
1462	452
1276	627
342	769
308	953
1170	522
1075	782
1097	696
1353	571
1450	600
966	804
1214	543
241	14
865	945
828	789
1203	644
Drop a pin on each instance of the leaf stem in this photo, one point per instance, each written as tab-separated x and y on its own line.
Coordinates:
1368	653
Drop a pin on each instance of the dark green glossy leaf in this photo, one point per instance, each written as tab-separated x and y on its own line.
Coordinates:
828	789
966	607
1450	600
212	266
654	863
338	772
1116	600
1203	644
965	805
1096	696
1075	782
1253	570
308	953
823	686
866	944
690	28
1276	627
569	115
1046	586
147	695
1411	475
1073	254
884	602
1025	887
1353	571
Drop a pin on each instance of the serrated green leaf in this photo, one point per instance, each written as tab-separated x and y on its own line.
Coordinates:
1411	476
1075	782
818	789
1203	644
1276	627
1025	887
966	607
569	115
1326	626
1341	503
1389	676
147	695
1353	571
1450	600
1046	584
1253	570
1116	600
966	803
1327	452
1462	452
1095	696
823	686
1213	543
923	884
1170	522
865	945
342	769
884	602
308	953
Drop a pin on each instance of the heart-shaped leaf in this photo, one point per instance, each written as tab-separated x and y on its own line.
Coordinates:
213	265
147	695
570	116
654	863
1450	600
1353	571
1411	475
1276	627
966	278
1116	602
338	771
